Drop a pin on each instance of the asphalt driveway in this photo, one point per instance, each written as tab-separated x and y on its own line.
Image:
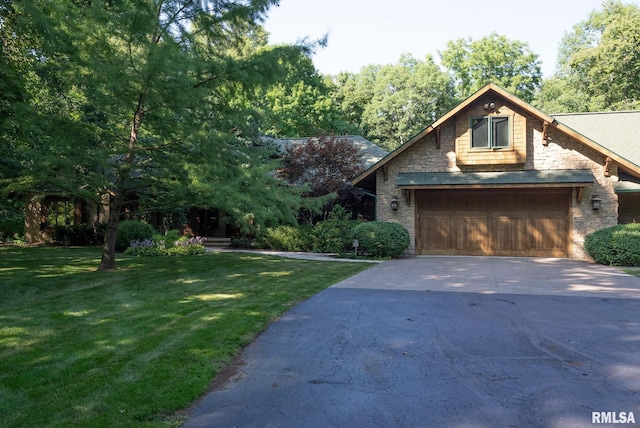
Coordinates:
445	341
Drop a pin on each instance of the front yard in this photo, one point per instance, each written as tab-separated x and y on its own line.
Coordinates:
132	347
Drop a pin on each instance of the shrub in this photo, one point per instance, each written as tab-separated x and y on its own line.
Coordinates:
186	250
132	230
11	228
334	235
145	248
244	241
148	247
382	239
288	238
169	238
11	220
615	246
78	234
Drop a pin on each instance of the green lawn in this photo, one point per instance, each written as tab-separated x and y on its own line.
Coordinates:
130	348
632	271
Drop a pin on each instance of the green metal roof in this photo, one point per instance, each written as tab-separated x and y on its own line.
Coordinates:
568	177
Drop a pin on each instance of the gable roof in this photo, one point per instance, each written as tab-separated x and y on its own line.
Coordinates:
371	153
618	131
631	161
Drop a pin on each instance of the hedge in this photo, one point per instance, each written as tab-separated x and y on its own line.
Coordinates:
382	239
615	246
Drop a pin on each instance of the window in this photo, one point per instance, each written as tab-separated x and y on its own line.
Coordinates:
490	132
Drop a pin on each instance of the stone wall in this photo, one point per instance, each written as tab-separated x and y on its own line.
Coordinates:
562	152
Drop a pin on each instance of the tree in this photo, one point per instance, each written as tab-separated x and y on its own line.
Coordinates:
493	59
598	63
562	95
301	103
325	165
140	99
392	103
14	97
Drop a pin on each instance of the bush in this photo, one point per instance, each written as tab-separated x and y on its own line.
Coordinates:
78	234
11	220
186	250
149	247
382	239
244	241
169	238
335	235
11	228
288	238
145	248
132	230
615	246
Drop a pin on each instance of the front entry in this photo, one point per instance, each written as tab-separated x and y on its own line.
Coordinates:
496	222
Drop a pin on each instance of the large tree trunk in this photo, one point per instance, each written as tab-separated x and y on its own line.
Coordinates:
108	260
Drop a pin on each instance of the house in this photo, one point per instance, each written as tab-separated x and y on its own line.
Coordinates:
212	223
496	176
371	153
48	210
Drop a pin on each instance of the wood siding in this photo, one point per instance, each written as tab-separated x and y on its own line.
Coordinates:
528	222
515	154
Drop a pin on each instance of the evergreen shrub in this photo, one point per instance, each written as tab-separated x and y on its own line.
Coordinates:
11	228
615	246
382	239
78	235
132	230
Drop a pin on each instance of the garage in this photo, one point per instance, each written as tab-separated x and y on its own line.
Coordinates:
497	222
497	176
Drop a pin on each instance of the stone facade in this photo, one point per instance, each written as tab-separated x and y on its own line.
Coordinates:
531	151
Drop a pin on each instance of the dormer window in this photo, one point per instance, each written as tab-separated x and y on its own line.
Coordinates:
490	132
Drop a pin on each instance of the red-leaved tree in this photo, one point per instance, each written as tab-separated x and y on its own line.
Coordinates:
326	164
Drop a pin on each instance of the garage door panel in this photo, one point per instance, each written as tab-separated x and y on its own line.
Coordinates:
548	234
435	232
472	235
509	235
525	223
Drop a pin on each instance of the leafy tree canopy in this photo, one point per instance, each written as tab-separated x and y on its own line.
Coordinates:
301	103
323	164
493	59
141	97
598	63
391	103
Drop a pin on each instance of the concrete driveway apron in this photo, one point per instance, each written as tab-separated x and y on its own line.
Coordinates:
446	342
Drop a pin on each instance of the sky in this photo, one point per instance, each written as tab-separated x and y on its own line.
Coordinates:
364	32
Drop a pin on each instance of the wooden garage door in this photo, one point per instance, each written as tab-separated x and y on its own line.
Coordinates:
528	222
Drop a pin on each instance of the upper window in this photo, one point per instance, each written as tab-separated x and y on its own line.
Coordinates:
491	132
